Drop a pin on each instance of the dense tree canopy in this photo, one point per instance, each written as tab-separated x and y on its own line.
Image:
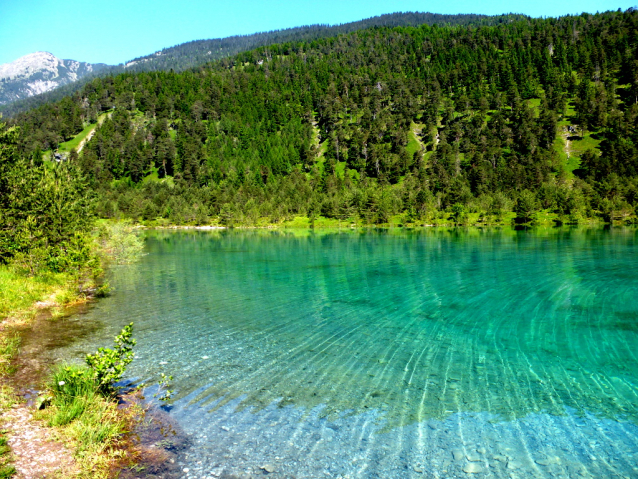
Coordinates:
420	121
196	53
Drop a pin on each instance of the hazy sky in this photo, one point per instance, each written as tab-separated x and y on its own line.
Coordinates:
115	31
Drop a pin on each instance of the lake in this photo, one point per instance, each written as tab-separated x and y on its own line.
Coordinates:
389	354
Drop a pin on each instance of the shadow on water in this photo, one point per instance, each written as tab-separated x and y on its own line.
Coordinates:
44	337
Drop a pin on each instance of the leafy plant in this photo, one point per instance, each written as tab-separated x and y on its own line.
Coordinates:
164	393
120	242
109	365
103	290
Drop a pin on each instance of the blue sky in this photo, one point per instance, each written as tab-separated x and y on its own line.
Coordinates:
115	31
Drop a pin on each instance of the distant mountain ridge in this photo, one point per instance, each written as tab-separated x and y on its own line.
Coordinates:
199	52
38	73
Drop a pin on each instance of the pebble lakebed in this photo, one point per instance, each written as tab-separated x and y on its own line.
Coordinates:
435	354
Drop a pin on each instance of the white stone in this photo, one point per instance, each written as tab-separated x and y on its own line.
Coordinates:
473	468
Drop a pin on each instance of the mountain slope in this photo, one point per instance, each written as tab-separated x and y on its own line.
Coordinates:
195	53
430	123
38	73
199	52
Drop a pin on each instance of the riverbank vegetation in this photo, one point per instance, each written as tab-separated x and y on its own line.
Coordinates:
81	402
52	254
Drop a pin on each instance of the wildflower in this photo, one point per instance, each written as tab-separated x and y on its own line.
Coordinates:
61	383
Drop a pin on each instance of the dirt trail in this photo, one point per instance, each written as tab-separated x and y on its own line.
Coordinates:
37	455
565	134
92	133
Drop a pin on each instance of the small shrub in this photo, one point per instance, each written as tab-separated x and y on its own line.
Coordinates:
119	242
109	365
103	290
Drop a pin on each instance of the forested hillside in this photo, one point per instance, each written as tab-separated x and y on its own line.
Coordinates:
426	124
196	53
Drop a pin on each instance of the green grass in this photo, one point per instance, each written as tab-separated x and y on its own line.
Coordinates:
535	104
6	469
91	422
74	143
18	293
152	176
572	163
414	144
321	222
569	110
9	345
569	164
427	155
579	147
576	147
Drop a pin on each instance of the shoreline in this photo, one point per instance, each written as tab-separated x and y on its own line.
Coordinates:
145	446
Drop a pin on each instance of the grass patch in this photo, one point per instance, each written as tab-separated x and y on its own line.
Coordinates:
318	222
579	147
572	163
6	469
87	420
567	163
427	155
559	146
74	143
414	144
9	346
534	104
81	405
18	293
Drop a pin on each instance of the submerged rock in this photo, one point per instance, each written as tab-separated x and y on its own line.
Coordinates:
473	468
513	465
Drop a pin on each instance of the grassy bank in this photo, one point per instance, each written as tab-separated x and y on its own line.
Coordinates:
21	299
81	403
20	295
91	424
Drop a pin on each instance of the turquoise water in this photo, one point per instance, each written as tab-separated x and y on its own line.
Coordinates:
391	354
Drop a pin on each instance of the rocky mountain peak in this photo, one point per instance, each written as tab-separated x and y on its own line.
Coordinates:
39	72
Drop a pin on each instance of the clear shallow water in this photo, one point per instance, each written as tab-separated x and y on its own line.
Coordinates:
438	353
